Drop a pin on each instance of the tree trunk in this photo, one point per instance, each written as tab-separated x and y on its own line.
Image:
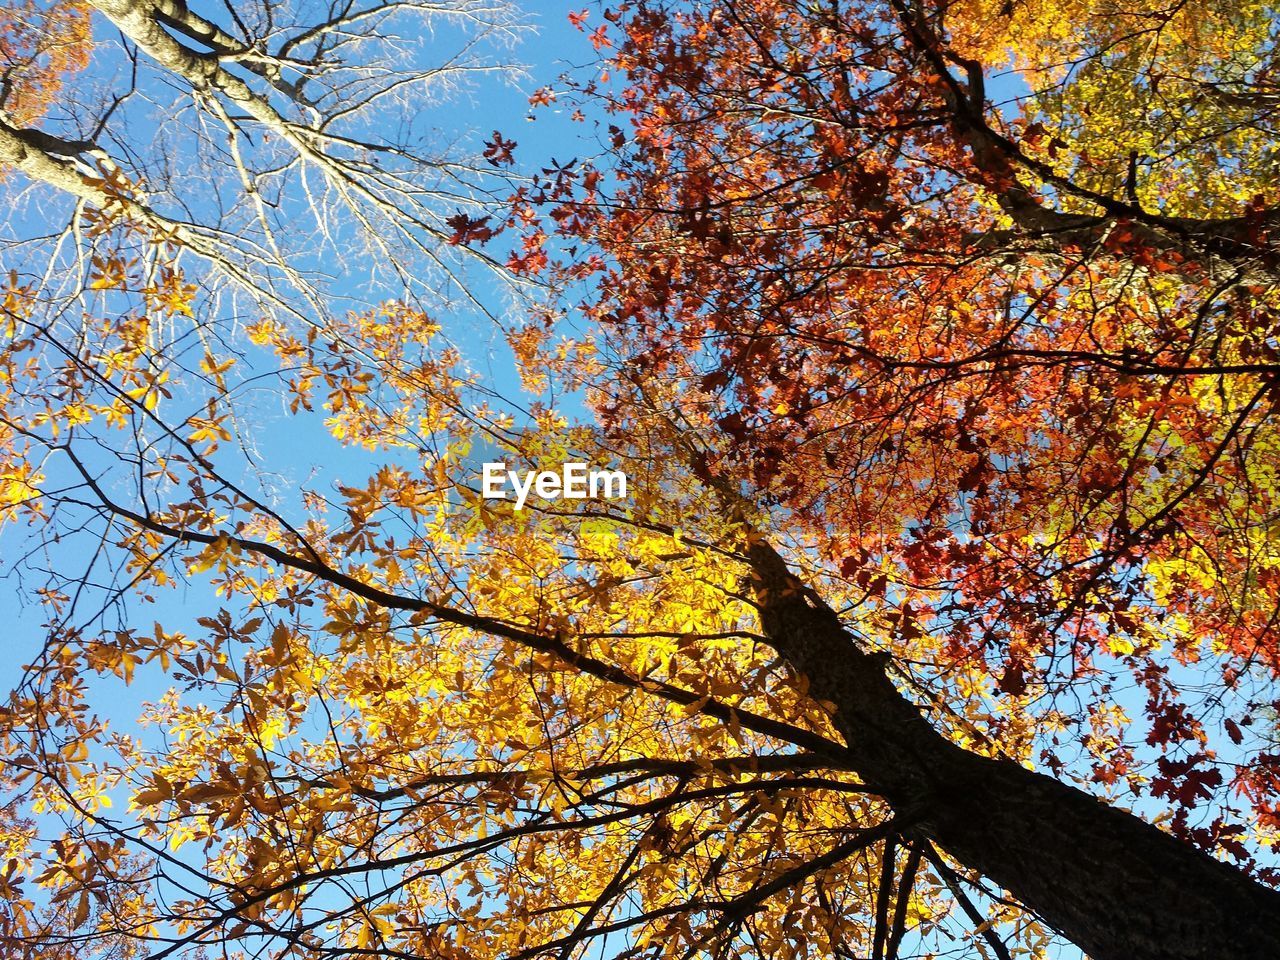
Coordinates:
1116	886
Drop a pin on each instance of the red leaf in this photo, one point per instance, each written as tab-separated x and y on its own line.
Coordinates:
1233	731
1013	680
498	151
469	229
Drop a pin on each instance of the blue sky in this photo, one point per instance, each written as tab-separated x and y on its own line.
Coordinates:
298	448
302	451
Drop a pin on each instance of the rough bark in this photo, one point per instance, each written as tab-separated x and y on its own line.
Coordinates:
1116	886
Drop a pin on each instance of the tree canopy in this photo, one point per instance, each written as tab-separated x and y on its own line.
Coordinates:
938	343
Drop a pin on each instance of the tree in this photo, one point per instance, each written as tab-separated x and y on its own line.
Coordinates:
38	47
1012	378
292	139
950	440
